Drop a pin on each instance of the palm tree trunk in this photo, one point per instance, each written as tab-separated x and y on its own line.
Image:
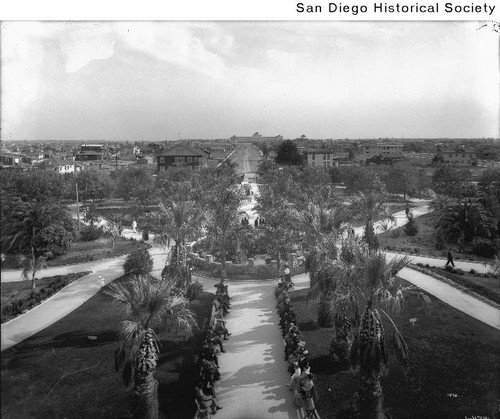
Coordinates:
145	385
370	396
223	260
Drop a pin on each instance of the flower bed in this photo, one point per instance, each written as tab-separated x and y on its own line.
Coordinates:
27	299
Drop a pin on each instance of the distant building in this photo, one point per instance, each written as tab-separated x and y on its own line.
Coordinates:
60	166
379	152
256	138
326	158
455	156
180	156
90	152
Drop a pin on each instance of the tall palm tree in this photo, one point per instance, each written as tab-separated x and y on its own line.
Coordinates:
367	289
178	222
151	304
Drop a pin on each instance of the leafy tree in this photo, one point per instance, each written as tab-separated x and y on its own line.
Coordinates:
450	181
151	304
361	179
401	179
288	154
93	185
367	290
136	182
138	263
41	186
53	240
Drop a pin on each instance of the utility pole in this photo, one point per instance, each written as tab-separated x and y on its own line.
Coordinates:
77	206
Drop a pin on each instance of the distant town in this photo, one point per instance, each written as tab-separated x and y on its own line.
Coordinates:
64	156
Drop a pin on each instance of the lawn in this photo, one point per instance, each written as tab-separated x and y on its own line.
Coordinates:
454	365
20	292
34	384
424	242
98	249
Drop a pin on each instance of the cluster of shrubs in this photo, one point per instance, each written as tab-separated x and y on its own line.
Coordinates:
403	249
208	359
21	305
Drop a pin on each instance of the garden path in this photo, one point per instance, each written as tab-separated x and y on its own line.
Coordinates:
253	369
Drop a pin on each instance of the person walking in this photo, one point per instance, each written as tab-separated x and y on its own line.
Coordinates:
450	259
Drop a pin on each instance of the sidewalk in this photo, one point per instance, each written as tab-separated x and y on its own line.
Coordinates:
69	298
253	369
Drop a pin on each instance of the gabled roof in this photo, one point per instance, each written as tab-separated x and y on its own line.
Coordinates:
181	150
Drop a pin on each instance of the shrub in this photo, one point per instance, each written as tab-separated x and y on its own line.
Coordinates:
194	290
411	228
395	233
484	248
473	272
138	262
90	234
440	240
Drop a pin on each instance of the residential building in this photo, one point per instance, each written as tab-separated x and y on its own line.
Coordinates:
379	152
455	156
180	156
326	158
90	152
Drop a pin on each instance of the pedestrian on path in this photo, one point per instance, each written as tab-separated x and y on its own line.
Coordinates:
134	226
450	259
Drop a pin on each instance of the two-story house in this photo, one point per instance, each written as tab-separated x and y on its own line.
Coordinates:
180	155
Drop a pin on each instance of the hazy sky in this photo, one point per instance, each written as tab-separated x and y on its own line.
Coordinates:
152	80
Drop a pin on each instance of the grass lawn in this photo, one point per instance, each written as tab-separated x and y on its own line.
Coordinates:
33	381
450	354
396	240
45	287
98	249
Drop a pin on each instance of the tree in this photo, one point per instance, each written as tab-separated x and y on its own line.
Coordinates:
368	207
450	181
288	154
93	185
136	182
35	228
30	268
401	179
151	304
361	179
42	185
411	228
367	290
282	222
222	203
178	222
462	222
138	263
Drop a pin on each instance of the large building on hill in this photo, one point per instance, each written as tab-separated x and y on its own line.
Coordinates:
256	138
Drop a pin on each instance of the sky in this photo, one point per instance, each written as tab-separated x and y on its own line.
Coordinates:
168	80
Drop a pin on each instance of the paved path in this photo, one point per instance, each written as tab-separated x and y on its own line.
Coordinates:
69	298
454	297
253	369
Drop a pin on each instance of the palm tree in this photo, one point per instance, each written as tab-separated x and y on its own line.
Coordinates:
463	221
151	303
177	222
31	266
367	207
323	227
367	289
